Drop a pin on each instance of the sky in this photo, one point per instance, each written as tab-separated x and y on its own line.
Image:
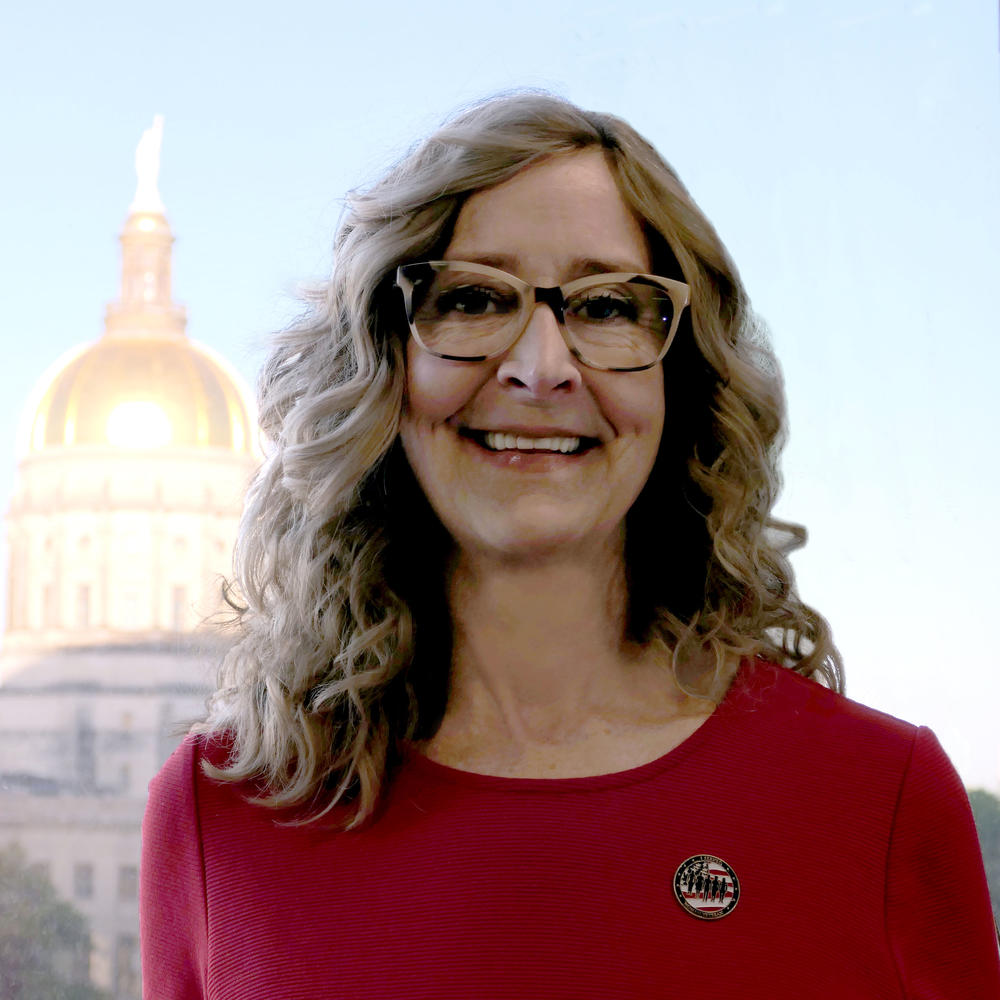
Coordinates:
847	152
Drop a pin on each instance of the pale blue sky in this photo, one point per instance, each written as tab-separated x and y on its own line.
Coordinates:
847	152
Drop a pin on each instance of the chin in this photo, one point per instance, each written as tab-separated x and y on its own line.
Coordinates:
536	535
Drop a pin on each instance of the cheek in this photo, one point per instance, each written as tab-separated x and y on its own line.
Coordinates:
436	389
634	404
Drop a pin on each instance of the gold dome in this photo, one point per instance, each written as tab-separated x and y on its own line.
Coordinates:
143	392
143	384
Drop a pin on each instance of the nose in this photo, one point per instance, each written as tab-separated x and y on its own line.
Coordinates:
539	360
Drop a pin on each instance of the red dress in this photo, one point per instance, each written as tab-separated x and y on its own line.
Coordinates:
847	833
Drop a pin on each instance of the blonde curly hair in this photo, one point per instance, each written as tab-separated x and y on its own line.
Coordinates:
344	630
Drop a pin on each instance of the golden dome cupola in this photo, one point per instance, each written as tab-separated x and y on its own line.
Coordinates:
143	384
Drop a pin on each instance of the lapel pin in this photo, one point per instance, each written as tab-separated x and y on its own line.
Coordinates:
706	887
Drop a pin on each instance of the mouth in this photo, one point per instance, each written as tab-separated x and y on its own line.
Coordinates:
554	444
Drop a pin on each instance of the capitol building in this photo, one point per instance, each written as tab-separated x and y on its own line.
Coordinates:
134	456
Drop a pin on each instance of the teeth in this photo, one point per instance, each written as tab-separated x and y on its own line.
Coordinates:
498	441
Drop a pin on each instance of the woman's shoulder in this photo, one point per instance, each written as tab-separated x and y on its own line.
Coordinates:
216	747
782	707
182	771
194	781
762	684
811	752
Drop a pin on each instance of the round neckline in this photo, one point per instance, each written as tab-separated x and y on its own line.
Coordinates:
435	770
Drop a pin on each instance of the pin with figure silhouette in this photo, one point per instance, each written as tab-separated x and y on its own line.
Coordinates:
706	887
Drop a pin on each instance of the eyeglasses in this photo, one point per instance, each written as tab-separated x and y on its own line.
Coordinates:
619	322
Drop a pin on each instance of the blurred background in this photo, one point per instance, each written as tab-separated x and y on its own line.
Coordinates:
847	153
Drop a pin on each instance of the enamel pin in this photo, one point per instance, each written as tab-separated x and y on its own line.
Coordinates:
706	887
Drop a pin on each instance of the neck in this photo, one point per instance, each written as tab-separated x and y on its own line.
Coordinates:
540	651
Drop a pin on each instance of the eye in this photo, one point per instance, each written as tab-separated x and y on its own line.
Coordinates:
603	306
473	300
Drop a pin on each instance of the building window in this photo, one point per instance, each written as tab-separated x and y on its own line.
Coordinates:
79	969
86	753
49	610
83	605
16	611
128	883
127	983
83	880
42	869
179	599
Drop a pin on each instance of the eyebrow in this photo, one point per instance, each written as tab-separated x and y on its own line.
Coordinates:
578	266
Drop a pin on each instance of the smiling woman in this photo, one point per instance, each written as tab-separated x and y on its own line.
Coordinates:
524	701
551	223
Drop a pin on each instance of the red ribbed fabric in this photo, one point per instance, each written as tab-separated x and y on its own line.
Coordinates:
849	831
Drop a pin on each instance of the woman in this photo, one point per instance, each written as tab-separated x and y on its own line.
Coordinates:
524	702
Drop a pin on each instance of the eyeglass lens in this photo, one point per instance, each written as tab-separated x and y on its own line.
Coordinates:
614	324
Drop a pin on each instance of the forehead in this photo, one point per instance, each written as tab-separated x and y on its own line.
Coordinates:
561	210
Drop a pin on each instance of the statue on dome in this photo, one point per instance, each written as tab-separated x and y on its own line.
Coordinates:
147	167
